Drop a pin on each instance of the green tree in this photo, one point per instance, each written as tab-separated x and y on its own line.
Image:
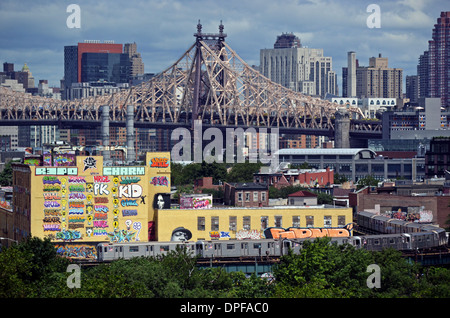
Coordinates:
243	172
367	181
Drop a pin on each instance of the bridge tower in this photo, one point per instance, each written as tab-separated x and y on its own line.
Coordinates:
342	129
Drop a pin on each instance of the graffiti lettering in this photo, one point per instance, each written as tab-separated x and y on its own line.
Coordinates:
76	204
52	227
101	208
293	232
101	189
159	163
126	203
51	204
50	180
100	232
160	181
52	219
130	191
129	212
76	211
52	196
51	212
77	180
101	179
101	200
248	234
100	224
101	216
76	188
77	196
52	188
128	180
68	235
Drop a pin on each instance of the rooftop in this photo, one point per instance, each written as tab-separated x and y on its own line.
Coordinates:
302	193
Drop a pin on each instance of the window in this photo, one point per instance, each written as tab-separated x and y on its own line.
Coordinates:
247	196
164	248
278	221
232	221
341	220
264	222
309	221
295	221
134	249
246	222
327	221
263	196
239	196
201	223
230	246
255	196
214	223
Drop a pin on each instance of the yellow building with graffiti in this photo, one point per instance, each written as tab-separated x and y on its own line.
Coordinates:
93	202
248	223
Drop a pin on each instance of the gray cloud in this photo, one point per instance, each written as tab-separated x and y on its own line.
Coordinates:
35	32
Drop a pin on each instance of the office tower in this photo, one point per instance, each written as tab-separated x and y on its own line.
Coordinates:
298	68
105	67
137	66
412	89
25	68
439	60
73	57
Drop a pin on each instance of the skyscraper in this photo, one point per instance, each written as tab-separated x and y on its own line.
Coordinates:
439	60
73	57
298	68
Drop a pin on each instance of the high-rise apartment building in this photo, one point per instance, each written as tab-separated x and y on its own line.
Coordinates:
412	89
376	80
298	68
439	60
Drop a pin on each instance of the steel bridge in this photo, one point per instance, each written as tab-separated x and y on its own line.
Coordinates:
209	82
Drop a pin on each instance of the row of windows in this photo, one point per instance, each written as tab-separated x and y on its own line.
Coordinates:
265	222
249	195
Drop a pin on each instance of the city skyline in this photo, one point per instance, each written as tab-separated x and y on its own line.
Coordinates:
163	31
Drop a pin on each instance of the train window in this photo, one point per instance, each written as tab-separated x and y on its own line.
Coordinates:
134	249
230	246
391	241
106	249
149	248
164	248
257	245
376	242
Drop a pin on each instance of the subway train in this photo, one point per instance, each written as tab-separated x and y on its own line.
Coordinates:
392	233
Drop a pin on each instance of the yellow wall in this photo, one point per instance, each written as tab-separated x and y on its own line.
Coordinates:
169	220
91	202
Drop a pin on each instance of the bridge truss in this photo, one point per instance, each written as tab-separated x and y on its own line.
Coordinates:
208	82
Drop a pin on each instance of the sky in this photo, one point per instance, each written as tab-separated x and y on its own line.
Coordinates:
35	32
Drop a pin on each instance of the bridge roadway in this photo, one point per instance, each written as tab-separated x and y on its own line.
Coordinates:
360	133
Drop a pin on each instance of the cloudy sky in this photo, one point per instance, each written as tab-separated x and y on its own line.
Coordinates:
35	32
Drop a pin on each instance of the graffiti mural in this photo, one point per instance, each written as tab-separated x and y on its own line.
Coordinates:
181	234
81	204
296	232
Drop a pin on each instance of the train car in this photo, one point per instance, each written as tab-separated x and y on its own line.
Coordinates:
238	248
109	252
